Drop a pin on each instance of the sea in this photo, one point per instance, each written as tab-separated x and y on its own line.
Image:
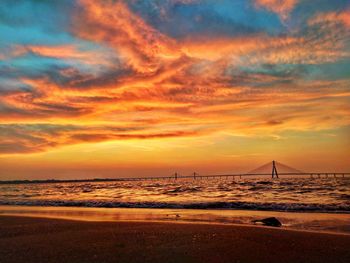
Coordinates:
318	204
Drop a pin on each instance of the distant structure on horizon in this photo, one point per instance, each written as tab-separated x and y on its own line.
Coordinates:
274	170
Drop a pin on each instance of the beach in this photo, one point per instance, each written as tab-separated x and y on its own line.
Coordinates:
31	239
175	221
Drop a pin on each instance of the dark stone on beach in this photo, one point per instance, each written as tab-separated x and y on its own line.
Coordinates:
270	221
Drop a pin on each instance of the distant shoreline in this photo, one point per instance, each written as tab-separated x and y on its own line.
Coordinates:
45	181
229	176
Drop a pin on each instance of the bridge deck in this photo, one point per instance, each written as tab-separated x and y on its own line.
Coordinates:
209	176
197	176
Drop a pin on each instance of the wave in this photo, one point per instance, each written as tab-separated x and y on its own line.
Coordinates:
284	207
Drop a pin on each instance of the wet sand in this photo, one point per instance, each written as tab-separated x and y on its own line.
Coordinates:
26	239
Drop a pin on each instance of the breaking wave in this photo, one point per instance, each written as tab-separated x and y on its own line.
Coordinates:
286	207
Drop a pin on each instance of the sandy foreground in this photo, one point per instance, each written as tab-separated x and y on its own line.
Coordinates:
27	239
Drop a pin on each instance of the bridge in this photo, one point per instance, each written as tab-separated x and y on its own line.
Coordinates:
272	169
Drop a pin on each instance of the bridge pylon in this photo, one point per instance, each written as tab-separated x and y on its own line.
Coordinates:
274	170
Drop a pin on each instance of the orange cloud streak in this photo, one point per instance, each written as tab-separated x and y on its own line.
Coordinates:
334	17
280	7
141	46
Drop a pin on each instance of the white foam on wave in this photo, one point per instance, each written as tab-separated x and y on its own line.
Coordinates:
287	207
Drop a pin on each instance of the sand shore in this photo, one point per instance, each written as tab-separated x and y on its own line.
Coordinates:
26	239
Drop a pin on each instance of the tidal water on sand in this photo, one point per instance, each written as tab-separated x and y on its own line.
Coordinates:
312	204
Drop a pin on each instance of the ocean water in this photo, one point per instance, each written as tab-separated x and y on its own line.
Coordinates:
326	195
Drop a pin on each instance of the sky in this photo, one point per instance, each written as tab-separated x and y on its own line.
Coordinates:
94	88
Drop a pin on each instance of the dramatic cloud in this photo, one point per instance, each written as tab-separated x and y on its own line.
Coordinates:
117	71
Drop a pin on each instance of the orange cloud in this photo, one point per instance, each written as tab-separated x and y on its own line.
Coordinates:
142	47
29	138
261	49
280	7
175	88
65	52
333	17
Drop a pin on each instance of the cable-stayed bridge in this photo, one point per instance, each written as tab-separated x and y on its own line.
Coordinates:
272	169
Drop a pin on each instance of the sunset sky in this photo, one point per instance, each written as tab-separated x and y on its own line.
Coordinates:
94	88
